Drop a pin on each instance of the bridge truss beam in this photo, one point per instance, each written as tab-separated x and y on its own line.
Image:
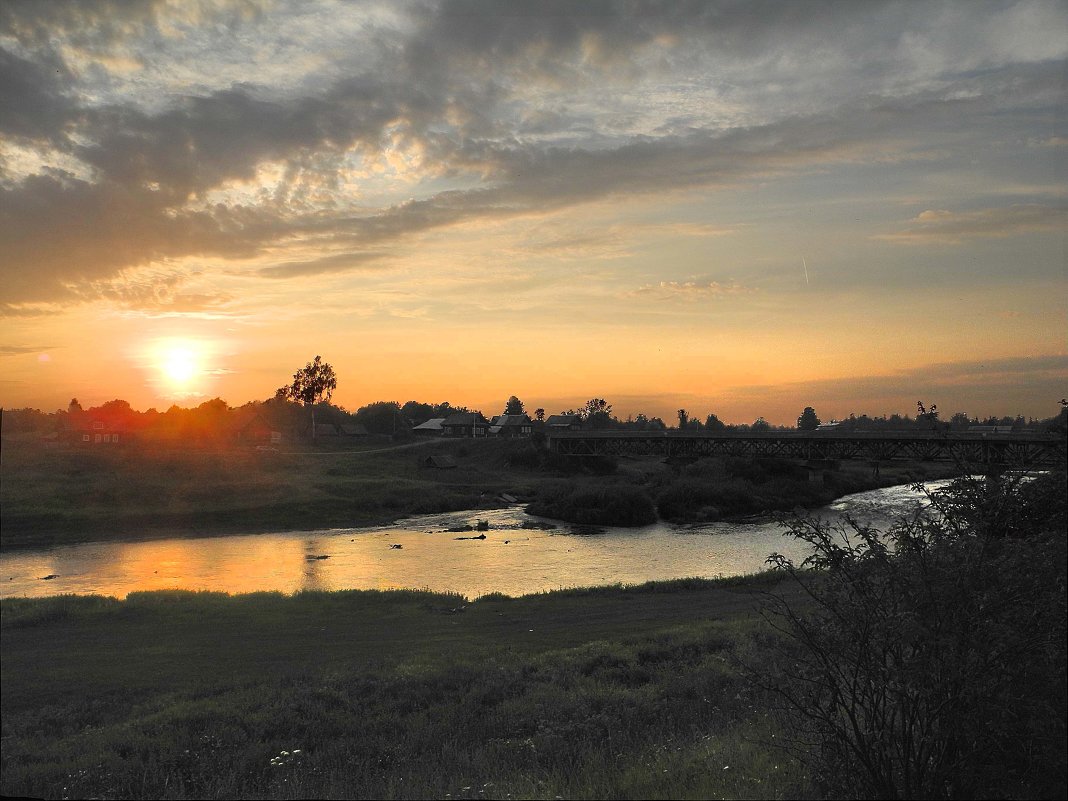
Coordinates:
1022	450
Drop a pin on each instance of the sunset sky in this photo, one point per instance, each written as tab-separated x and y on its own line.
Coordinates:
737	207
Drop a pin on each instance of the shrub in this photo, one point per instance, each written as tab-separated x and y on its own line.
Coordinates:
690	500
930	662
599	506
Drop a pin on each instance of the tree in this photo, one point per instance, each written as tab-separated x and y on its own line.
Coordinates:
684	418
808	421
74	406
514	406
713	423
312	384
417	412
760	425
539	415
381	417
925	415
597	413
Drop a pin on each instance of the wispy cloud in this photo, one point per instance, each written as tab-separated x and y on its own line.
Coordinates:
953	228
690	290
17	350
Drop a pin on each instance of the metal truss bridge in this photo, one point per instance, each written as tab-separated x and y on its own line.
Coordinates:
1018	449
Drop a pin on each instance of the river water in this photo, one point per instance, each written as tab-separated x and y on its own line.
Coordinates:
510	560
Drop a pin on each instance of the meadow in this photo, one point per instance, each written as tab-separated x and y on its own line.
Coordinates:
608	692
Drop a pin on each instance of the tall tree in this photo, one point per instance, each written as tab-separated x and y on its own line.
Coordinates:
597	413
514	406
808	421
312	384
684	418
713	423
539	415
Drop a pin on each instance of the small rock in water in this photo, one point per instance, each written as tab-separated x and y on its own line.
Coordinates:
49	577
396	546
311	558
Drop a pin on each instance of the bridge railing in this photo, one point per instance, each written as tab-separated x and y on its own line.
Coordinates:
1017	448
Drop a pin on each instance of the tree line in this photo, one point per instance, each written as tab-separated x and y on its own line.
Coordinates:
312	387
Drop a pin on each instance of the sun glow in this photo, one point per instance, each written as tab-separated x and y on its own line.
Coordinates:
180	363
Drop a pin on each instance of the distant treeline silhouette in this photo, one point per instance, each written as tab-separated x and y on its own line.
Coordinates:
215	420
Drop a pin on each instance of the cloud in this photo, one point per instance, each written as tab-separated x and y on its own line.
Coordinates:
33	97
931	382
491	110
953	228
335	263
15	350
690	290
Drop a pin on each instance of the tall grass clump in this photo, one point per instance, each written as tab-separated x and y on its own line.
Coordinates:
930	661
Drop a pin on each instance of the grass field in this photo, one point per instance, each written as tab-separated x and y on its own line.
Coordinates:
610	692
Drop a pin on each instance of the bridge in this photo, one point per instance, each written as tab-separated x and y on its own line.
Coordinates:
1014	449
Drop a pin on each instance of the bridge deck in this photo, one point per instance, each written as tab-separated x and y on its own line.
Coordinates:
1019	448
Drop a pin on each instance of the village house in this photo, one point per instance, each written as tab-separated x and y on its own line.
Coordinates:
82	428
563	422
253	428
431	428
339	431
511	426
465	424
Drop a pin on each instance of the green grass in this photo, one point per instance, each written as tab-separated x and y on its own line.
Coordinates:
608	692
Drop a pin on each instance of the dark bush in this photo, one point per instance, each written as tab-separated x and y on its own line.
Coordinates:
598	506
527	457
930	662
746	469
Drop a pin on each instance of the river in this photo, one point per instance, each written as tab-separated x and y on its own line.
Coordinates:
419	553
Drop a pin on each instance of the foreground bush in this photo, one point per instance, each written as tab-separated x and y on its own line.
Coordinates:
931	662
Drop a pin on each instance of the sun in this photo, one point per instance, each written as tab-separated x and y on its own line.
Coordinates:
180	364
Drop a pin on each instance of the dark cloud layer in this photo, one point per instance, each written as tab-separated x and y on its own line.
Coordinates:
450	91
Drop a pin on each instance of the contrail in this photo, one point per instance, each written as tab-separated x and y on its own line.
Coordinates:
805	264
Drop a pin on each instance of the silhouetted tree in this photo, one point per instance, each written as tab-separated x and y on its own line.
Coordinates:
74	406
597	413
418	412
381	417
808	421
684	419
444	409
539	415
514	406
760	425
713	423
312	384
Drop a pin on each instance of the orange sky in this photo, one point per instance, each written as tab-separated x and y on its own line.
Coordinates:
729	209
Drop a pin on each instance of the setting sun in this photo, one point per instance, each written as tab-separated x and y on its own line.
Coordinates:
180	365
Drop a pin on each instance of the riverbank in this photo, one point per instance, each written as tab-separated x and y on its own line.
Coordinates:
608	692
55	497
